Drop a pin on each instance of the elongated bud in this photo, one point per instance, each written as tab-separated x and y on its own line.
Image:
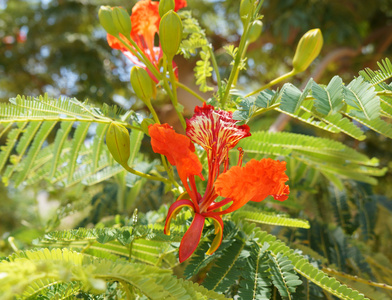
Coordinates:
245	8
122	21
165	6
142	84
308	49
106	19
170	34
117	140
255	31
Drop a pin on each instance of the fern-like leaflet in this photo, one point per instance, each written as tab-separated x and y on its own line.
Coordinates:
366	99
30	154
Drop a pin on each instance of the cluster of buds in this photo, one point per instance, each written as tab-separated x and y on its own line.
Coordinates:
117	23
115	20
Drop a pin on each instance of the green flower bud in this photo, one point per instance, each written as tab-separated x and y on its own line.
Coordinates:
308	49
165	6
106	19
122	21
145	124
142	84
245	8
255	31
118	142
170	34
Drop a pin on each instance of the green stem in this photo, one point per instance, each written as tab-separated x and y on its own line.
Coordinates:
215	66
173	81
120	191
185	88
141	56
87	247
152	110
273	82
130	250
131	127
165	81
237	60
151	177
238	70
169	171
263	110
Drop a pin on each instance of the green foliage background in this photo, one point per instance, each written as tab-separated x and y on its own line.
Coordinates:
65	53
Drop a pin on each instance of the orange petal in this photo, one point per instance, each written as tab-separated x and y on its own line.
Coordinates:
178	149
145	22
253	182
191	238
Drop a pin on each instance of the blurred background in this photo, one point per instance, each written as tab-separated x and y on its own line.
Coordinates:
58	47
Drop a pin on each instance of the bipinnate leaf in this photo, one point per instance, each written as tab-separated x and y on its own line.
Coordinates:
269	218
31	272
68	160
283	276
226	268
256	282
379	76
343	161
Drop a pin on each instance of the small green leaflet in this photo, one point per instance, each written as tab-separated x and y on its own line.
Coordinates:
328	100
361	97
292	97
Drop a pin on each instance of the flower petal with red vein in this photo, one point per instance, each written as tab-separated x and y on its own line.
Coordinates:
178	149
218	223
215	130
191	238
174	210
253	182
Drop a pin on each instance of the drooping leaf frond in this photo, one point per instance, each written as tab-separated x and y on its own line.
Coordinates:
329	157
226	269
32	156
379	76
142	243
283	275
333	107
269	218
257	282
305	268
30	272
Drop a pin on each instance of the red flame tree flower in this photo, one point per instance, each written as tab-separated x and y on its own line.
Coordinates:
145	25
217	133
